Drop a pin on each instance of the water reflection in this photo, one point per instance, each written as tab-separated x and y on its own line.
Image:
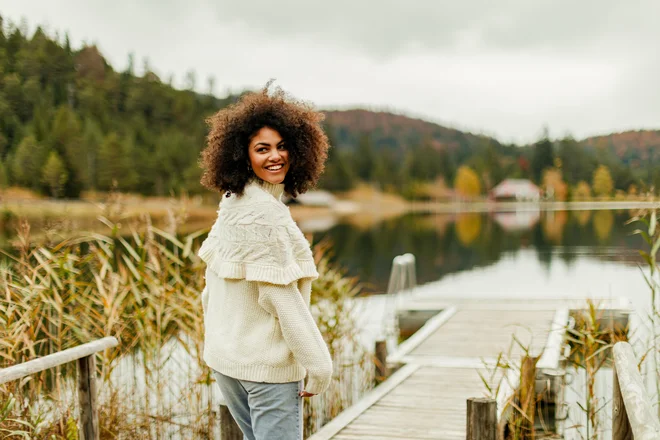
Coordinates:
450	243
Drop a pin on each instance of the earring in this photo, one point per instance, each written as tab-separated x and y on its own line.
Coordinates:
249	168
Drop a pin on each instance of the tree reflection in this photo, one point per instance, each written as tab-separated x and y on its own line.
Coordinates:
468	227
446	243
553	225
603	222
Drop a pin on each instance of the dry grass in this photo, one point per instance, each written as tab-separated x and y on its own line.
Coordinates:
145	291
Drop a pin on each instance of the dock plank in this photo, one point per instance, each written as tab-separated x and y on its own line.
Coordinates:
427	397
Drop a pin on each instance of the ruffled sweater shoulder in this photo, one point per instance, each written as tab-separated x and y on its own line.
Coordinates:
255	238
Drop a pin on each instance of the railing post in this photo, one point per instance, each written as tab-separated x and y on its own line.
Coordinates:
382	372
229	429
89	419
481	419
621	429
633	412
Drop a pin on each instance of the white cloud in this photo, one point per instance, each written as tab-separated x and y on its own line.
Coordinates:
505	68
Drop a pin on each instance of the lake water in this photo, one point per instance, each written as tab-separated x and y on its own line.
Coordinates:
550	245
561	254
529	254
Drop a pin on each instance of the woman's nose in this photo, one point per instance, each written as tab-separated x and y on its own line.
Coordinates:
275	154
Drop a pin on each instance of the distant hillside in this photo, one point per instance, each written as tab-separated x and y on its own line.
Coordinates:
398	133
633	148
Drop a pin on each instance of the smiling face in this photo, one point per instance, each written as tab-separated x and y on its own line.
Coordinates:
269	157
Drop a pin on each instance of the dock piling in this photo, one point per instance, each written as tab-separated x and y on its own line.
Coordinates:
481	419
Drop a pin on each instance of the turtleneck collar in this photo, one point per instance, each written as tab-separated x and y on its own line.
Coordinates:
276	190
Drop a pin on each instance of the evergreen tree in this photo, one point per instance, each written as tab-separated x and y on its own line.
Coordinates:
92	139
192	176
493	166
66	140
542	158
338	175
384	172
28	161
448	167
115	164
54	174
577	163
365	159
4	178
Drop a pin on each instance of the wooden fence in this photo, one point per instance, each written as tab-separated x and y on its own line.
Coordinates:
84	354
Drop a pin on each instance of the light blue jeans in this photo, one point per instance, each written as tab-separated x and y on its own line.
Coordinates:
264	411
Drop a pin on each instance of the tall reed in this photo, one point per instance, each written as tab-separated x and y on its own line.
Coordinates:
647	221
591	340
142	285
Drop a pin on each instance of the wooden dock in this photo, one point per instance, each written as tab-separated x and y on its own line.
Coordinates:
441	365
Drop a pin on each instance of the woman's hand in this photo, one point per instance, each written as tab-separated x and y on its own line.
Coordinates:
305	394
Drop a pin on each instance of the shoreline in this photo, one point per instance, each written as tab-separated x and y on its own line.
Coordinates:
492	206
46	209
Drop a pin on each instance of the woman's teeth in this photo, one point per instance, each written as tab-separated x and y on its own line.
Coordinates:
274	167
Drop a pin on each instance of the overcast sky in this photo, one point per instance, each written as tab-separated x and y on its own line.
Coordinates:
505	68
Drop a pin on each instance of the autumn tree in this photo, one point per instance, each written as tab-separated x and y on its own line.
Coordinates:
554	184
602	182
582	191
467	182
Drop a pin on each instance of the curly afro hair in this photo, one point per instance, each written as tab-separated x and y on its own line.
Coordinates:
225	157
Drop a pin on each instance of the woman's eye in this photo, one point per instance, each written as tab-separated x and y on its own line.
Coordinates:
282	147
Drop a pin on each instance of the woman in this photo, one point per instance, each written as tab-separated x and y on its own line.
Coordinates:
260	337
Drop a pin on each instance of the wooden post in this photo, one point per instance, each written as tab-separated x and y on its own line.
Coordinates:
382	372
527	395
481	419
621	429
89	419
229	429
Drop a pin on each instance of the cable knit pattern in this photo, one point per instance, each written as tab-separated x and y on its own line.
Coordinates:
259	274
255	238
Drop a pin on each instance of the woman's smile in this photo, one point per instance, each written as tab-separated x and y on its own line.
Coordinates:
268	155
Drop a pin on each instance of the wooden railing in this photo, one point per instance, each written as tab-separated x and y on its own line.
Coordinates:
632	412
633	416
84	354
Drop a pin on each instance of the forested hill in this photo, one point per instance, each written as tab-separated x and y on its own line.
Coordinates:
389	147
69	122
638	149
398	132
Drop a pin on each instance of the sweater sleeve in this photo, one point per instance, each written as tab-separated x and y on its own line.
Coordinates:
300	332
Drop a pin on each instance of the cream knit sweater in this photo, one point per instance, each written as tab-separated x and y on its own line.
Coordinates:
259	274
